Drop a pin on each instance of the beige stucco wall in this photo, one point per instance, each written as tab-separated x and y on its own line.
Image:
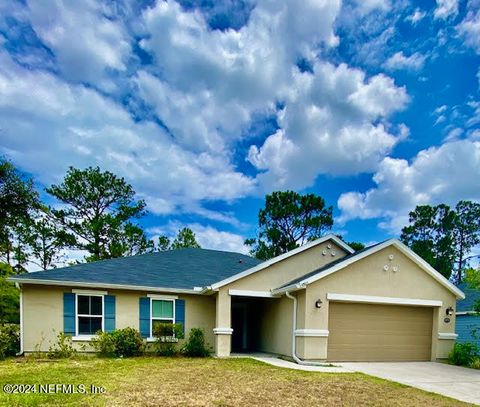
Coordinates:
367	277
265	280
43	314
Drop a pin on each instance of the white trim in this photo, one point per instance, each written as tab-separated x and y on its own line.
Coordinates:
467	313
250	293
77	315
171	339
284	256
447	335
89	292
392	242
21	322
323	333
383	300
222	331
103	285
162	297
83	338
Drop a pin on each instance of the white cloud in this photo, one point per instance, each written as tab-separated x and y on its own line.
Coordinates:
43	117
85	41
327	127
398	61
453	134
207	236
433	176
366	6
446	9
416	16
469	28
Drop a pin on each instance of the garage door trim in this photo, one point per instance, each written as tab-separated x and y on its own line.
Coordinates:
383	300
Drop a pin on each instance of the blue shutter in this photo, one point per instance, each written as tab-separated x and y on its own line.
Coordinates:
180	314
69	313
145	317
109	309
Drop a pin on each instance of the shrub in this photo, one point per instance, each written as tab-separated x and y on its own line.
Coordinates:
195	345
167	335
463	354
476	363
9	340
62	348
119	343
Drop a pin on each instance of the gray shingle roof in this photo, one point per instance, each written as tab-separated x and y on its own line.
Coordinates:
471	296
183	269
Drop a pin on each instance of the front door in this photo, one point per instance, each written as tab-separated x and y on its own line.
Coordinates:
239	325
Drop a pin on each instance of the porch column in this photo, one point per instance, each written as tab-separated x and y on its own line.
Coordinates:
223	330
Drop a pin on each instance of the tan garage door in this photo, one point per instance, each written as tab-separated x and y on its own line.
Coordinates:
366	332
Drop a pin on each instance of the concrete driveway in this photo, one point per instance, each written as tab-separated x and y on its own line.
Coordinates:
452	381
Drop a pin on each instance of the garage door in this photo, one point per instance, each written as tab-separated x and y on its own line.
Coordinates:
366	332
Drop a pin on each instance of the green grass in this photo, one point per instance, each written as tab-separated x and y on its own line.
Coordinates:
154	381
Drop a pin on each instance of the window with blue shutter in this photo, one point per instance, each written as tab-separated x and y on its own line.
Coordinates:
180	314
109	305
144	317
69	314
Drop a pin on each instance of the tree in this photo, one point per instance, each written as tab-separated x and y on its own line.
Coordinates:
18	200
185	238
466	233
356	245
430	235
98	209
287	221
9	297
444	237
44	239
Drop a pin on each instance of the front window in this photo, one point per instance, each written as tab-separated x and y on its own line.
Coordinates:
89	314
163	311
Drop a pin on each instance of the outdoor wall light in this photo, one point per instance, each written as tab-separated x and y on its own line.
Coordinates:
449	311
318	303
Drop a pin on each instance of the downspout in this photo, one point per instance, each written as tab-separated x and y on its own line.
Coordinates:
294	342
21	320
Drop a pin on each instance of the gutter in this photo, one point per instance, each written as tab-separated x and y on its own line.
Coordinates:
289	289
104	285
294	342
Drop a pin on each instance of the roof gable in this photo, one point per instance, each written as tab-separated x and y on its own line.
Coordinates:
344	262
277	259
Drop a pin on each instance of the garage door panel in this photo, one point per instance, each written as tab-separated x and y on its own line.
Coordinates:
368	332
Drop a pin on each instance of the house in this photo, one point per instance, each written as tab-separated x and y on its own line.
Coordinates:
468	321
321	301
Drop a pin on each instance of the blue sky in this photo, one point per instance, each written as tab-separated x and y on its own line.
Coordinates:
206	106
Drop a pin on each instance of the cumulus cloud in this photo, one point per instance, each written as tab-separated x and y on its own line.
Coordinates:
326	126
399	61
446	9
85	41
433	176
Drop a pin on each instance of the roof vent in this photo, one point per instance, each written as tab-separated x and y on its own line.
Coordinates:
240	261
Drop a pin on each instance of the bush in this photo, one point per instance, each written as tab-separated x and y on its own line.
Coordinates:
119	343
9	340
167	335
62	349
463	354
195	345
476	363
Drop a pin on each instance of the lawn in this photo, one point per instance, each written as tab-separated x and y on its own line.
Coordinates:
149	381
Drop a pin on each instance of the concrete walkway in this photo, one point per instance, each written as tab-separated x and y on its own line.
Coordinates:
273	360
453	381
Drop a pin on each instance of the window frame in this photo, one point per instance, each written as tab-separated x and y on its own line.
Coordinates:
77	315
161	298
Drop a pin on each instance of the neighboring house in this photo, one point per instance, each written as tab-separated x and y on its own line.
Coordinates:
320	301
468	321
